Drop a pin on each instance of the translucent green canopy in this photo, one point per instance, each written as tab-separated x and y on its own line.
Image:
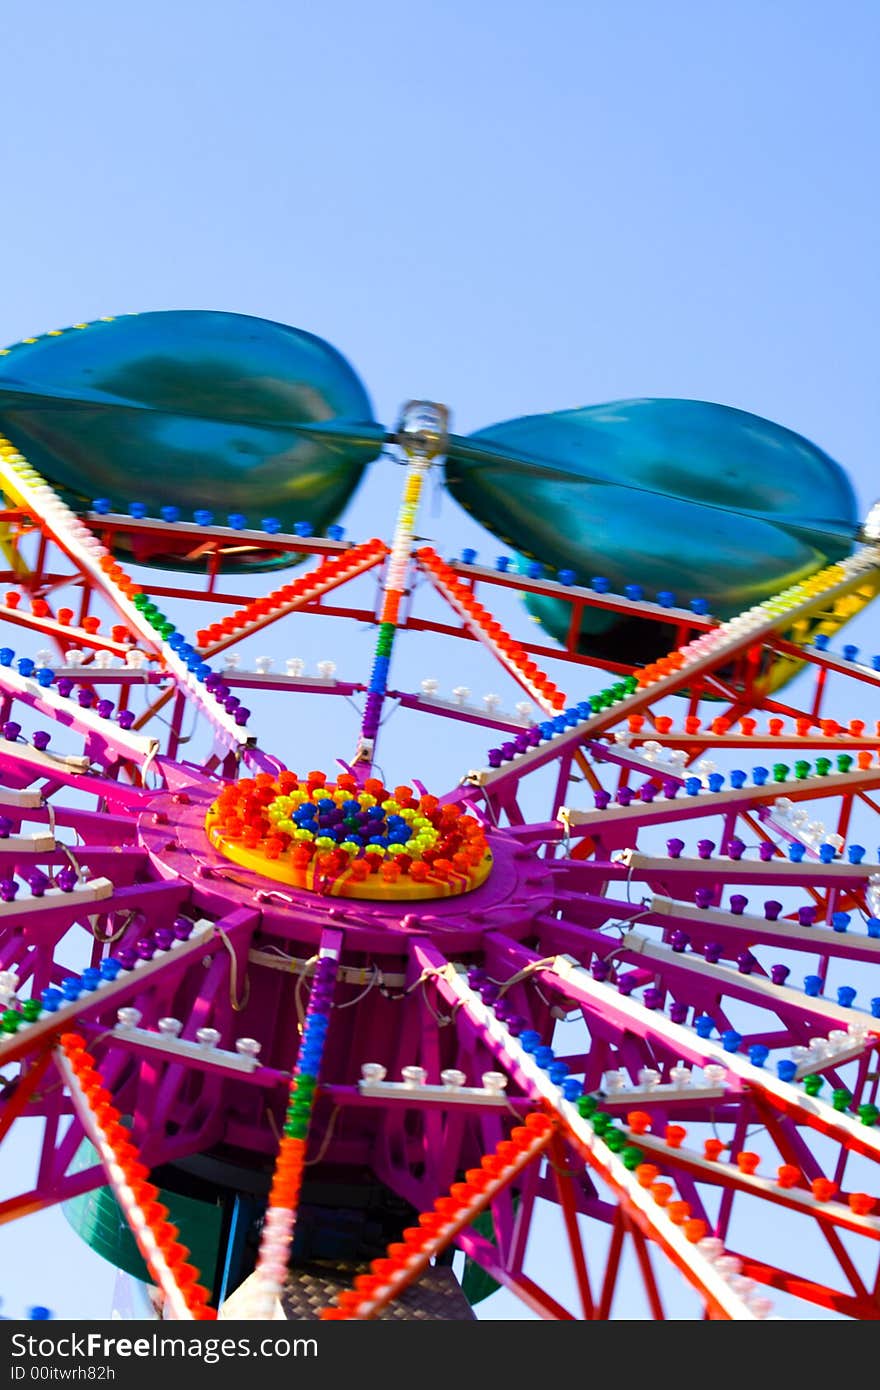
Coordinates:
198	410
678	496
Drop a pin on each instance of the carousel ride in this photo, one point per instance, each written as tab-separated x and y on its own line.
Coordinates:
339	1042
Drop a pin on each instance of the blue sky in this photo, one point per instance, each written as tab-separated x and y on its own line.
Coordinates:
507	207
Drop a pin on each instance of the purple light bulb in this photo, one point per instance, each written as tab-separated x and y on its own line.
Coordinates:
38	882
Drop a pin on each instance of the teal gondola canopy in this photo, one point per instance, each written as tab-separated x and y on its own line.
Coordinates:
678	497
194	410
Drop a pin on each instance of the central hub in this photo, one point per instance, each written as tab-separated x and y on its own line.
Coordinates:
342	840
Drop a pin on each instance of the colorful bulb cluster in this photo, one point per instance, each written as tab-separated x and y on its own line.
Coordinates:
576	715
786	1068
527	1042
543	1055
280	1220
712	951
570	1087
393	592
849	653
779	774
288	597
730	635
619	1141
192	659
65	879
734	848
156	1238
345	841
639	1122
406	1259
600	584
549	1075
73	987
732	1042
805	727
88	628
236	521
548	729
516	657
68	526
63	686
58	515
760	617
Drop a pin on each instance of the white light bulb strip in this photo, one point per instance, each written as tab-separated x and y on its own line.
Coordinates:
25	485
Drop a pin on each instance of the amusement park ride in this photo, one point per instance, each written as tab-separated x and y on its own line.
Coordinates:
295	1036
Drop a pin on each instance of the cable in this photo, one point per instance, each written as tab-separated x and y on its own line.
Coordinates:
297	993
74	863
238	1002
114	935
393	710
325	1139
375	980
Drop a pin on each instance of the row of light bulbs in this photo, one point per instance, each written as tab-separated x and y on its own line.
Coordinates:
680	1076
674	758
135	659
819	1050
373	1074
796	821
492	703
169	1027
294	665
104	660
